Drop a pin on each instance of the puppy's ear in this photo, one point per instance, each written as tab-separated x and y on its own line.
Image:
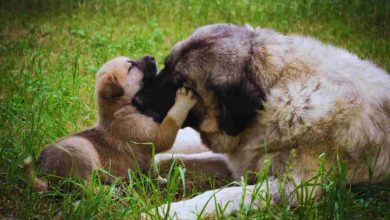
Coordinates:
237	104
111	90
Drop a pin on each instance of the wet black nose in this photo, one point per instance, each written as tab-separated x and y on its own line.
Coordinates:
149	59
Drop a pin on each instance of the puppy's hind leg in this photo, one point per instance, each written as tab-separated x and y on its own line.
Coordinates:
71	157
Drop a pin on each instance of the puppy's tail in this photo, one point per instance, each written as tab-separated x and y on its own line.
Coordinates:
38	185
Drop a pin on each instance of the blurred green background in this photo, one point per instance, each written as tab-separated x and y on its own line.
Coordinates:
51	49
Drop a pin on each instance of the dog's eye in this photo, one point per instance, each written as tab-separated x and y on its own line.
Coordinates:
179	79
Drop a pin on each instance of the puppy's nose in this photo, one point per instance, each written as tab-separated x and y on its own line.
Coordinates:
149	59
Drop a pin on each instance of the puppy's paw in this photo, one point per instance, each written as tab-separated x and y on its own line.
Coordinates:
186	97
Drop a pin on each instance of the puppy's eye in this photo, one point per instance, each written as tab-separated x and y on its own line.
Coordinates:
133	64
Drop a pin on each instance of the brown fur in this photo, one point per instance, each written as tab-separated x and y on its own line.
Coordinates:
115	143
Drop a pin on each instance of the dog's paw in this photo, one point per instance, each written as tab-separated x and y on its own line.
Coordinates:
177	211
186	96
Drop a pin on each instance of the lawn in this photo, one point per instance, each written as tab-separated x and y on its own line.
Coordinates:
50	51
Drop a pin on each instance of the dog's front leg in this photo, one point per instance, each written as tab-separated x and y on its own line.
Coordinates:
222	202
206	162
212	203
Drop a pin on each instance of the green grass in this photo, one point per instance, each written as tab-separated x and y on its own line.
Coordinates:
51	49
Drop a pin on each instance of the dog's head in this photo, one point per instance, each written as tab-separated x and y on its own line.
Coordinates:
215	63
122	77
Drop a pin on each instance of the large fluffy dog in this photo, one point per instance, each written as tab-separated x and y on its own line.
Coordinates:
260	91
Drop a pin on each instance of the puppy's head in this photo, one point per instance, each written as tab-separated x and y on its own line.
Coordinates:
121	78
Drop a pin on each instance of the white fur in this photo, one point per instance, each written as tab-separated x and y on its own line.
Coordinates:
318	96
187	141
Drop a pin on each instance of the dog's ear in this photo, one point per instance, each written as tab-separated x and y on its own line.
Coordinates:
237	104
111	89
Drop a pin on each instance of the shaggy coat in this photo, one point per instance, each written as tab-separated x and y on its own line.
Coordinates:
280	101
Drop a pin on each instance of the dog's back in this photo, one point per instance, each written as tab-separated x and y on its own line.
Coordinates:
355	94
325	97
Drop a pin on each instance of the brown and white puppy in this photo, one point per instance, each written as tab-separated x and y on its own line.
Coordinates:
115	142
263	96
